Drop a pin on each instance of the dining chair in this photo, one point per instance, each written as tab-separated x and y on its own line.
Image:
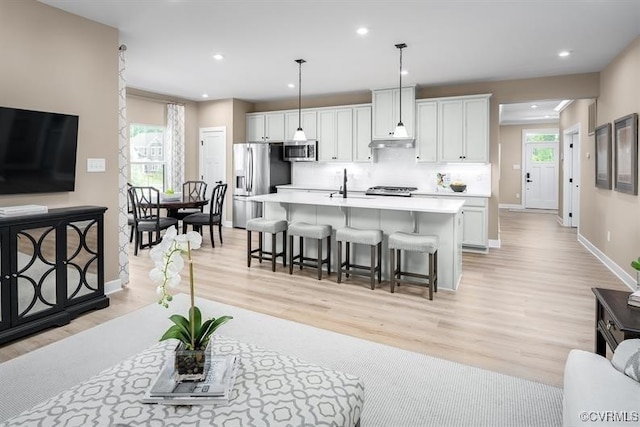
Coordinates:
145	202
211	218
130	221
191	190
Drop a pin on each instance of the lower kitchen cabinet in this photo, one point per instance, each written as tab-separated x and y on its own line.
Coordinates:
51	269
475	228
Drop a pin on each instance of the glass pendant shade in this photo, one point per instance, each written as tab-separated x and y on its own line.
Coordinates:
299	135
400	132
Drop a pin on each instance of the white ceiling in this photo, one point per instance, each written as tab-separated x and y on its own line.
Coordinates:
530	112
170	43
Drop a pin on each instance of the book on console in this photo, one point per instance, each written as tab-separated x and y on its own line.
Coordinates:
6	211
214	389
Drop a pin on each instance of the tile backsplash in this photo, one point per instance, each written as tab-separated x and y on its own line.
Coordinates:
393	166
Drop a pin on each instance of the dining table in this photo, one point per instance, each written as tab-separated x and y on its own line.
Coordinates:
173	205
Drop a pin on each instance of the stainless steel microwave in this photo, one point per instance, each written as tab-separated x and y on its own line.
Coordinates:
296	151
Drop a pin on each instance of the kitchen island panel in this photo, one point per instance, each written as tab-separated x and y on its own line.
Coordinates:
386	214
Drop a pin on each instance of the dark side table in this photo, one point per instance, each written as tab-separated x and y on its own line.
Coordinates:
615	321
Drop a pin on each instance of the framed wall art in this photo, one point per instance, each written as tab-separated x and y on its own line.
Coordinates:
625	132
603	156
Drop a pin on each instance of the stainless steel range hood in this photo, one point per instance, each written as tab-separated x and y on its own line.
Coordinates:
393	143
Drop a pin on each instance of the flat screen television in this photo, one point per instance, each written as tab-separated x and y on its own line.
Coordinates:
37	151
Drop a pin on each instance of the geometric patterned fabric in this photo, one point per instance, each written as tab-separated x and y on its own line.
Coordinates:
175	146
271	389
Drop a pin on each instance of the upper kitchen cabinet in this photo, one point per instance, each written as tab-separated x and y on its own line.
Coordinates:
265	127
335	135
308	124
463	129
427	131
386	111
362	134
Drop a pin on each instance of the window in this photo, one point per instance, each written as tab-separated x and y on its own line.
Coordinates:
147	156
532	136
543	155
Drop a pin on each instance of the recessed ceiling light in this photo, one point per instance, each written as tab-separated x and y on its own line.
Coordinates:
291	85
204	95
218	56
404	72
534	106
564	53
362	31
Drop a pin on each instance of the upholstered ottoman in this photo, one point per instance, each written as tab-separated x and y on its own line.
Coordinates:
271	389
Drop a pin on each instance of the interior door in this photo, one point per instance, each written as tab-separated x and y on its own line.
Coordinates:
213	154
575	177
541	175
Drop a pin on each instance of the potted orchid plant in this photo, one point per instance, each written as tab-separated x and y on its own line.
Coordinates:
192	333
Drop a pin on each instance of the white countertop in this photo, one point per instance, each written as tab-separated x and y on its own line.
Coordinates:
414	204
419	192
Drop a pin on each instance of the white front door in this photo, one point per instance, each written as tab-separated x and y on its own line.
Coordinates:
541	175
213	154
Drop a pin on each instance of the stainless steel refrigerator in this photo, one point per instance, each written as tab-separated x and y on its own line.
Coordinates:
257	168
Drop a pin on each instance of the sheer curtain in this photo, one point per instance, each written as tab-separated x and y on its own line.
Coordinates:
175	146
123	165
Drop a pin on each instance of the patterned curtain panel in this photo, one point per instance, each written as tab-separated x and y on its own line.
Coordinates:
123	165
175	145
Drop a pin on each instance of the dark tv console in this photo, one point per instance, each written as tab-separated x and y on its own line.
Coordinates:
51	269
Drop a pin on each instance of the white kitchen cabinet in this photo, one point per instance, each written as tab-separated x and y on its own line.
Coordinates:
265	127
427	131
362	134
475	227
335	135
463	129
308	118
386	111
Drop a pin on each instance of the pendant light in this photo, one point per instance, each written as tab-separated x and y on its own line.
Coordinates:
401	131
299	135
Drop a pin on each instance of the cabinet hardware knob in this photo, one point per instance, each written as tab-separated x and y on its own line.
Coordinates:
14	275
7	277
609	325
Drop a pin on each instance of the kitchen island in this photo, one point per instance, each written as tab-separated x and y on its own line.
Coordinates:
441	217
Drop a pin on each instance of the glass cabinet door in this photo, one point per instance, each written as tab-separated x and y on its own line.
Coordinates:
5	282
82	261
34	277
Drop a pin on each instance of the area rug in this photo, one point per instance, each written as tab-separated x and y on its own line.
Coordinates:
402	388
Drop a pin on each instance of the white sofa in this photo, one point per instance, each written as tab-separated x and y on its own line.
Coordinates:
597	392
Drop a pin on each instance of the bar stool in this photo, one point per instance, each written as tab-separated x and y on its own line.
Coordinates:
310	231
413	242
272	226
373	238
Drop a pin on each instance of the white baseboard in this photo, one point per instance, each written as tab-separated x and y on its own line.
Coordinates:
608	262
509	206
494	243
227	224
113	286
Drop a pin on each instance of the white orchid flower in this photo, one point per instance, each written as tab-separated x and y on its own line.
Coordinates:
168	261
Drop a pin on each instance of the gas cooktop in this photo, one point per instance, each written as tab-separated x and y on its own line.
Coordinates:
390	191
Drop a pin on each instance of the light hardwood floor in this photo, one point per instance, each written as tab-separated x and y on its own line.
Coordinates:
518	310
